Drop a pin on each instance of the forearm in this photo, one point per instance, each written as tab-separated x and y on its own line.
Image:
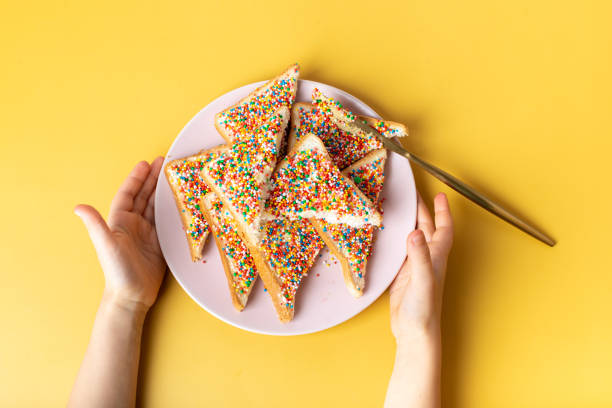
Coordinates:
415	381
109	371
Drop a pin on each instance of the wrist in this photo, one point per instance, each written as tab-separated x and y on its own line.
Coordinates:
422	351
428	336
127	308
416	370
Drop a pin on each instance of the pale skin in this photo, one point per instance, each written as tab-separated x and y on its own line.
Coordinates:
134	268
133	265
416	307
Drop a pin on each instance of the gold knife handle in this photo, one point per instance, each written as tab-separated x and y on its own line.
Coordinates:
478	198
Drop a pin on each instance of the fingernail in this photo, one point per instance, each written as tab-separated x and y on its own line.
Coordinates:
418	238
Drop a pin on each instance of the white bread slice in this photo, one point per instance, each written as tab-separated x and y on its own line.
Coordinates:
387	128
352	246
288	251
256	127
240	176
238	264
188	188
252	110
285	253
307	184
344	146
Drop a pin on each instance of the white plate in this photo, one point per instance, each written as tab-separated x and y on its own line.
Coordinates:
322	300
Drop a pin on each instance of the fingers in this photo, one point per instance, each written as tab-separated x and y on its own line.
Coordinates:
400	279
418	250
149	212
443	236
424	221
442	212
419	260
124	199
96	227
142	198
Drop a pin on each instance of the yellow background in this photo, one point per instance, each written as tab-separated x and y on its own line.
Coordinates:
513	96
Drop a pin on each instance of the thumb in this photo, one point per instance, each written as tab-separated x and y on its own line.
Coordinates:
420	260
99	233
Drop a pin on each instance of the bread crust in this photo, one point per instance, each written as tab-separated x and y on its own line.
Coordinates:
228	138
295	121
371	156
351	284
395	125
284	313
241	226
266	274
246	230
376	216
271	284
289	249
195	251
238	300
354	284
307	107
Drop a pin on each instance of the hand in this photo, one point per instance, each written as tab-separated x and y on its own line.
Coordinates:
127	247
416	293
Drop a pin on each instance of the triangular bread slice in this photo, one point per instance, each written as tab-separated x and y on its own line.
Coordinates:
352	246
252	111
344	146
288	251
188	188
240	176
238	264
307	184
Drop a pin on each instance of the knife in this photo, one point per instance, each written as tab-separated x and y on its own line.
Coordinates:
456	184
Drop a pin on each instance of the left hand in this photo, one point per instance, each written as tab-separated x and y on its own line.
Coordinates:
416	292
127	246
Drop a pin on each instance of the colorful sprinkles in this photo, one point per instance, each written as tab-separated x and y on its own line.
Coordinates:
344	147
253	113
186	182
240	261
291	248
308	184
386	130
256	126
240	173
330	106
356	243
369	177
